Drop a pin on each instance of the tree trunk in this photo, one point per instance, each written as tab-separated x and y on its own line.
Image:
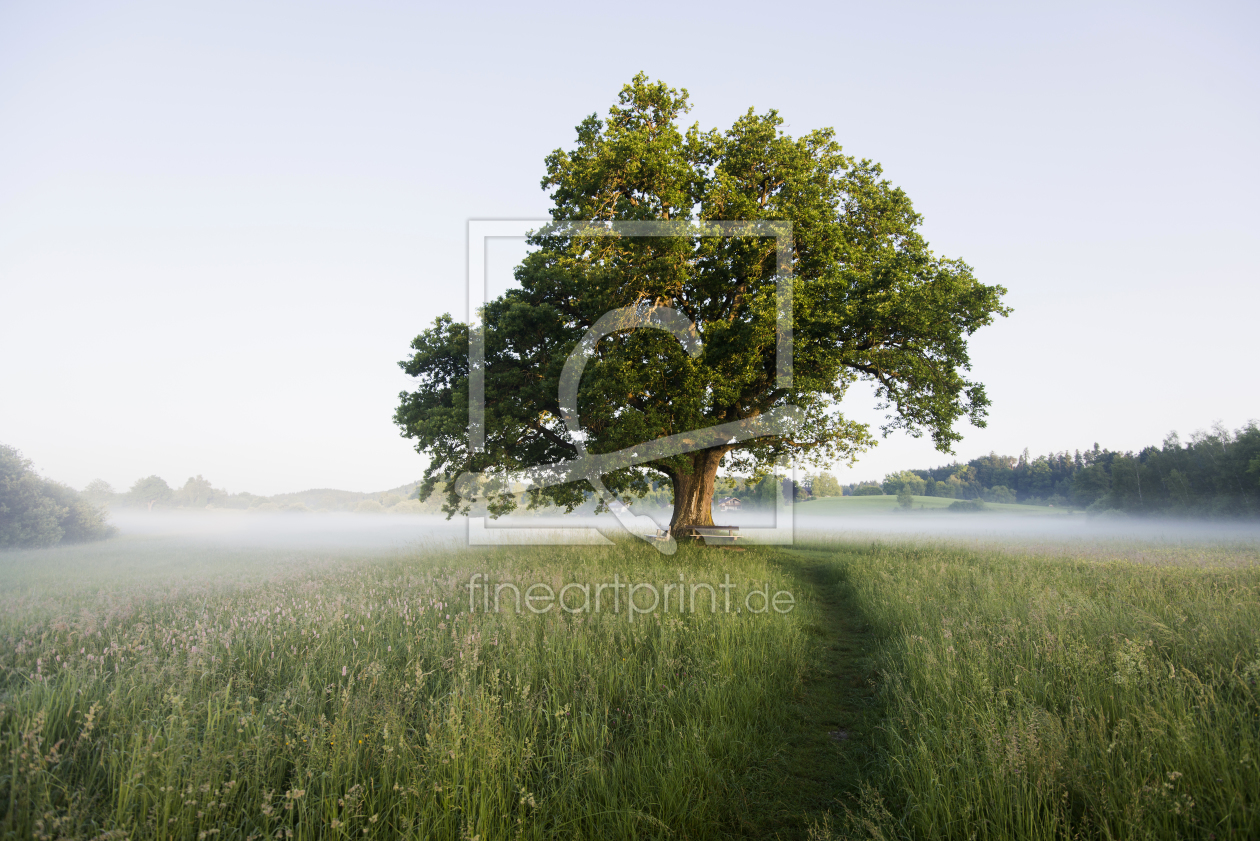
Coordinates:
693	492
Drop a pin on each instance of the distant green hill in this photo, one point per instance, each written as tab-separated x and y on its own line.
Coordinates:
840	506
197	494
330	499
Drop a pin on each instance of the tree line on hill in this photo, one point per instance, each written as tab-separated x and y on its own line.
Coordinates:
1215	473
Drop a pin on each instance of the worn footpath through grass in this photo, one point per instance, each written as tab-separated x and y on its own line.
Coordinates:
829	746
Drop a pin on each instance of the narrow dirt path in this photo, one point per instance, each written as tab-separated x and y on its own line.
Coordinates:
831	750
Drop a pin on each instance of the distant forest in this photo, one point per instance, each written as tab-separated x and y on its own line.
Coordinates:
1215	473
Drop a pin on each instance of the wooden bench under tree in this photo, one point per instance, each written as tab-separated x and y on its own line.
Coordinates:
711	535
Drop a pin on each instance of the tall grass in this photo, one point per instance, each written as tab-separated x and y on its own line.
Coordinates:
337	698
1039	697
159	690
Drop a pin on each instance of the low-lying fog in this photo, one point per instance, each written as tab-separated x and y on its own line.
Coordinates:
346	531
290	529
180	549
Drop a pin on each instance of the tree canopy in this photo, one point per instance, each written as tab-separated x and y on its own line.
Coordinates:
870	301
150	491
197	492
35	511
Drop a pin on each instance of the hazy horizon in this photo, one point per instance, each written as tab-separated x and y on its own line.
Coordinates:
350	530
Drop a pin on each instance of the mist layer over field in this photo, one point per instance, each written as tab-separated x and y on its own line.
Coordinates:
336	530
862	518
205	546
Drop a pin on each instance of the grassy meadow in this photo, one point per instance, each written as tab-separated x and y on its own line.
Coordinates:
1049	696
159	689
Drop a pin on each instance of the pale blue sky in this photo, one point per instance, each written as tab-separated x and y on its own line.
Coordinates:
221	224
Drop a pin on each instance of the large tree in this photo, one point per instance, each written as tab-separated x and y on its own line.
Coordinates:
197	492
870	301
150	491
